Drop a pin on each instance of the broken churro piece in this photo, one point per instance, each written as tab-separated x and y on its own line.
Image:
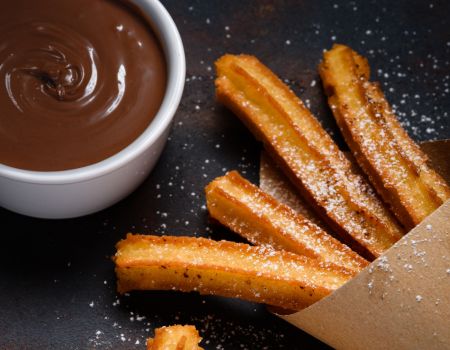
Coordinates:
261	219
306	153
395	165
175	337
229	269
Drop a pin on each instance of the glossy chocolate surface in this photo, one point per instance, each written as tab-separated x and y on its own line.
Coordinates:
79	81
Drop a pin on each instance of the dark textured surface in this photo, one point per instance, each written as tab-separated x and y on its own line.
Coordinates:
57	286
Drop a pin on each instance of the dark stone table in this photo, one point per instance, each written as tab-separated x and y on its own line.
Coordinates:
57	284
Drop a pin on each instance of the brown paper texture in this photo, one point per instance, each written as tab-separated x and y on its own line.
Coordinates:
402	300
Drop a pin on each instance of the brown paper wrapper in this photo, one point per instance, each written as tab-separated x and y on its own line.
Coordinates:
400	301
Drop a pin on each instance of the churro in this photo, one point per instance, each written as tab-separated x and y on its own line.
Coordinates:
258	274
261	219
176	337
307	154
395	165
274	182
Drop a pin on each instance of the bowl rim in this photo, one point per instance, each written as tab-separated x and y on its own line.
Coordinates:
164	26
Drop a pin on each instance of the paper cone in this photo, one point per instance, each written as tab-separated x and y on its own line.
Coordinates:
402	300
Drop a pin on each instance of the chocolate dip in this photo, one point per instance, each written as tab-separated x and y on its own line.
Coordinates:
79	81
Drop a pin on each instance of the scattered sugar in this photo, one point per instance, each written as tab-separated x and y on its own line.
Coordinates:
408	267
370	286
383	264
419	298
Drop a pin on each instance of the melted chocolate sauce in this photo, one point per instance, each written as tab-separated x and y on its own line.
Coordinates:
79	81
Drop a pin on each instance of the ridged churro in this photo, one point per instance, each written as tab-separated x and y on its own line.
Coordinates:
306	153
229	269
176	337
395	165
274	182
261	219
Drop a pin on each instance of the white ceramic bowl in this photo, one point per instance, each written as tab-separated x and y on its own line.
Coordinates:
81	191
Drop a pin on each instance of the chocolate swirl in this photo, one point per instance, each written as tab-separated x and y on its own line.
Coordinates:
57	63
79	81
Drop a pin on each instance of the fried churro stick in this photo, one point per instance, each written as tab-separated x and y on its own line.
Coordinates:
306	153
175	337
261	219
223	268
395	165
274	182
